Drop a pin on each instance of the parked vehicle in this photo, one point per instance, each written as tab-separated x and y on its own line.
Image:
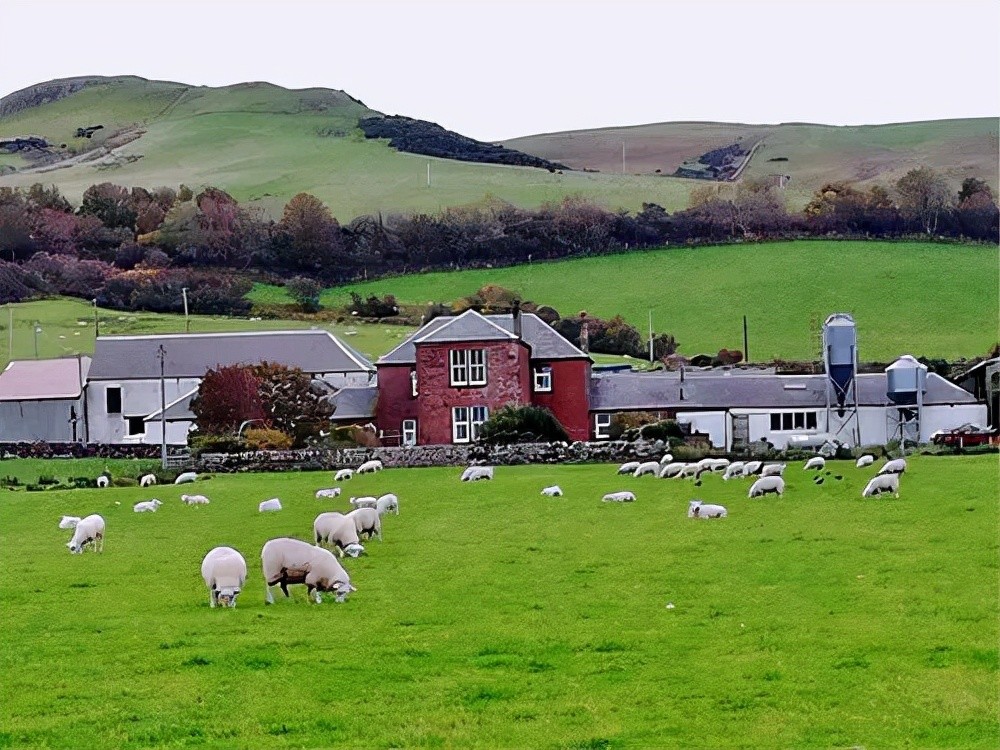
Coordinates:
965	436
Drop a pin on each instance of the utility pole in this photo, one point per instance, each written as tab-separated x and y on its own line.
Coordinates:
746	344
650	337
10	331
428	174
187	321
38	330
97	324
623	157
162	354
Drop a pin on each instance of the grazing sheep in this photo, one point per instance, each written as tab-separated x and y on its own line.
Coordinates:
364	502
750	468
698	509
387	503
720	465
618	497
103	481
773	470
688	471
629	467
649	467
882	483
367	521
194	499
553	491
865	460
330	492
148	506
69	522
343	475
336	528
186	478
896	466
475	473
224	571
667	458
270	506
370	467
286	561
90	530
147	480
672	470
817	462
735	469
766	486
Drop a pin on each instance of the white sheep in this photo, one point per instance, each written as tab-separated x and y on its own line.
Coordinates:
370	467
475	473
698	509
882	483
224	571
194	500
367	521
689	470
734	470
816	462
553	491
672	469
628	468
186	478
705	464
329	492
90	530
648	467
364	502
387	503
147	480
772	470
336	528
286	561
103	481
343	475
766	486
69	522
148	506
896	466
720	464
865	460
269	506
751	468
618	497
667	458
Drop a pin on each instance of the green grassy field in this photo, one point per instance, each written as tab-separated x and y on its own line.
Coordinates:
493	617
918	298
28	470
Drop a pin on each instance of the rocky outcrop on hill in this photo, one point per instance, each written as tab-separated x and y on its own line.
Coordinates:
430	139
43	93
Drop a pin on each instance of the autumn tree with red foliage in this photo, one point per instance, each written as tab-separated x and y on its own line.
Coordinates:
226	398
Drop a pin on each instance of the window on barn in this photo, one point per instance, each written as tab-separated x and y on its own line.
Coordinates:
409	432
775	422
602	426
135	426
113	399
794	420
543	380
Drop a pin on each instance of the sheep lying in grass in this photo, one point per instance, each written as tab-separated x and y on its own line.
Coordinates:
269	506
475	473
772	470
817	463
865	460
69	522
698	509
735	469
367	522
103	481
287	561
90	530
224	571
186	478
648	467
364	502
671	470
370	467
553	491
147	480
343	475
767	486
148	506
336	528
896	466
618	497
387	503
882	483
330	492
194	499
628	468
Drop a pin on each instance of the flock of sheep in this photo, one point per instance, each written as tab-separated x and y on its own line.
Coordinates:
284	560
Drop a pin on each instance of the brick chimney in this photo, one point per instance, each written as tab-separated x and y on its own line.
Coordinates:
515	313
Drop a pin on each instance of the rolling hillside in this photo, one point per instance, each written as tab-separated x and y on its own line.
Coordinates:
264	143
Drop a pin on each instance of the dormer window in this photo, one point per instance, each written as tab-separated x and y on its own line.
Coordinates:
467	367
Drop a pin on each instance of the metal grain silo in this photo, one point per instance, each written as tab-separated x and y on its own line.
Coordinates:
906	381
840	355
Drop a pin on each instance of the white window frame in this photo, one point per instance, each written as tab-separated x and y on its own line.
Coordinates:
466	421
602	426
458	366
479	414
413	384
409	432
794	421
128	432
543	379
477	367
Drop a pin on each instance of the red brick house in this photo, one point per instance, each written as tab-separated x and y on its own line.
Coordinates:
443	382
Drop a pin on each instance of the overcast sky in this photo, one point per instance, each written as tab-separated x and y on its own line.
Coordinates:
496	70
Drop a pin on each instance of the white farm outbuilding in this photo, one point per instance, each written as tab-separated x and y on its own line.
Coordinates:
42	400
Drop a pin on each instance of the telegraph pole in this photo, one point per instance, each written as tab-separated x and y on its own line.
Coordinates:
38	330
162	354
97	324
187	321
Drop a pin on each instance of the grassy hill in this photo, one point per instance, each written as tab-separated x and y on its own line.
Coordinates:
264	143
919	298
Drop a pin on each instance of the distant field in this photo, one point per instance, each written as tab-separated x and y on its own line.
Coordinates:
918	298
492	617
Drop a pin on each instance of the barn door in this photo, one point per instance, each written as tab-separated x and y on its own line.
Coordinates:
741	430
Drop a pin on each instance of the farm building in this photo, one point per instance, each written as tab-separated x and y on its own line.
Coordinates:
42	400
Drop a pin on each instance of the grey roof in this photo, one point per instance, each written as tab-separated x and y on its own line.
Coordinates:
192	355
544	341
469	326
355	403
176	411
41	379
652	391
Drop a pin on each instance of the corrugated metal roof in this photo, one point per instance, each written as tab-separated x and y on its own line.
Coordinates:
355	403
634	391
192	355
41	379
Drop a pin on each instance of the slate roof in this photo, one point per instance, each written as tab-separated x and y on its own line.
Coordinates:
652	391
43	379
193	354
355	403
545	343
176	411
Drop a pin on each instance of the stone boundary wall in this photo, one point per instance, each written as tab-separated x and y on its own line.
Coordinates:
77	450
